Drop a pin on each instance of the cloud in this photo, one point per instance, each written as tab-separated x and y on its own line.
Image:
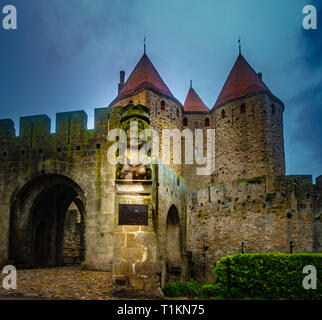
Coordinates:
306	132
63	31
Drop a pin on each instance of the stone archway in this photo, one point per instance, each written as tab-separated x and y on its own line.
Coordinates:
38	222
73	239
173	246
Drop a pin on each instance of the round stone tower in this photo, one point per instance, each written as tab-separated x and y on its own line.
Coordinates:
145	86
248	120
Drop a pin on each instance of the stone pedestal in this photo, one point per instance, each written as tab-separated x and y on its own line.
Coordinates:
136	267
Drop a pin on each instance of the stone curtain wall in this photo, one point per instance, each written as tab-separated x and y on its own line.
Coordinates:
218	222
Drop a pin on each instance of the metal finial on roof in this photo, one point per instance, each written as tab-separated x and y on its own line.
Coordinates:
144	44
190	84
239	45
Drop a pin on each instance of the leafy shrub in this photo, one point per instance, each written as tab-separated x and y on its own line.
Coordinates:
269	276
208	290
181	288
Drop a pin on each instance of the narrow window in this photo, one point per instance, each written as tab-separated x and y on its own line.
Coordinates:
207	122
223	114
162	105
273	109
185	121
243	108
79	217
177	112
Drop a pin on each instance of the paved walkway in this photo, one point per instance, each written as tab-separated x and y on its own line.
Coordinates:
60	283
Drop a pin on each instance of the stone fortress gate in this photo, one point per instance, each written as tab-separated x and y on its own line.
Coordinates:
63	203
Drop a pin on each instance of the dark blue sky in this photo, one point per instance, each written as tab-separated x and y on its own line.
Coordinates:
66	55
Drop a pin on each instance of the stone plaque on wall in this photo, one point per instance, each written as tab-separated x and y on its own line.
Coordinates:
133	214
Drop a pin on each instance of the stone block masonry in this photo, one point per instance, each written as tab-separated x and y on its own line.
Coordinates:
73	248
249	139
219	222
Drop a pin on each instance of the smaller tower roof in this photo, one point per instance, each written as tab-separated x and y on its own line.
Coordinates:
242	81
193	103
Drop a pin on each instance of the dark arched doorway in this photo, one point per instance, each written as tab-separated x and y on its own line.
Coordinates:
47	223
173	246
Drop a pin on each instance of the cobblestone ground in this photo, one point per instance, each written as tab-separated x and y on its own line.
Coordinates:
60	283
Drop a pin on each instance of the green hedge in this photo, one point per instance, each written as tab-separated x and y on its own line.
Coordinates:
208	290
181	288
268	276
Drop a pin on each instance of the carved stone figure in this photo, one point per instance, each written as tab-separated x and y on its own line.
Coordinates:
134	120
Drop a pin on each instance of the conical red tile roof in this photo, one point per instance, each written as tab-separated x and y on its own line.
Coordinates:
144	76
242	81
193	103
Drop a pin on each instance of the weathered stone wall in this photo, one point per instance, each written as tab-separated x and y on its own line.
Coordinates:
73	153
219	222
73	249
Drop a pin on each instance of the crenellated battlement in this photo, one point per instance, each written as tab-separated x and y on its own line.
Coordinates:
71	133
296	186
